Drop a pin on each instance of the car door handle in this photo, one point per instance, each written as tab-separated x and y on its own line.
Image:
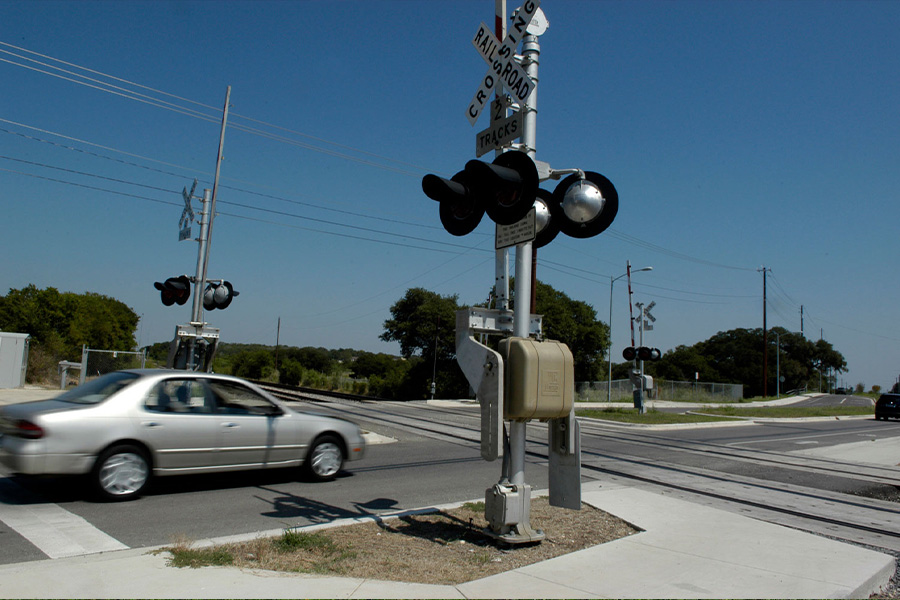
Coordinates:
150	424
229	425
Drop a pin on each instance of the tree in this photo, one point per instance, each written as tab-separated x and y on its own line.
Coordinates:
252	364
316	359
736	356
424	324
575	324
60	323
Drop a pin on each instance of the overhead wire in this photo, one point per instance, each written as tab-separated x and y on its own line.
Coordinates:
248	218
224	186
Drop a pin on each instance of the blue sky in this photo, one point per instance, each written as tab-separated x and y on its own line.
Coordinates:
738	134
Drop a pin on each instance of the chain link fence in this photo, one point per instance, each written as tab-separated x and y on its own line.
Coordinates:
679	391
99	362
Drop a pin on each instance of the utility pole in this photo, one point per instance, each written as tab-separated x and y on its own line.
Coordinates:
212	210
801	321
765	338
277	340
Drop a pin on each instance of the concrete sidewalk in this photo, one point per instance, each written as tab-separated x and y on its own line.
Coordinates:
685	551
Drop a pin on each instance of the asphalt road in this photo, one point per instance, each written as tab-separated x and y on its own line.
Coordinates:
837	400
434	460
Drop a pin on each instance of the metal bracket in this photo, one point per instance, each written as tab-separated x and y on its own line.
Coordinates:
483	368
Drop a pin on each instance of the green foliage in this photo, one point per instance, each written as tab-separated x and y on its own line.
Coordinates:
652	416
290	372
315	359
389	383
575	324
253	364
736	356
789	412
200	557
60	323
292	541
424	323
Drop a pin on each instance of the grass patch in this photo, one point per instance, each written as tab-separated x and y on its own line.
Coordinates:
791	412
184	556
650	417
294	541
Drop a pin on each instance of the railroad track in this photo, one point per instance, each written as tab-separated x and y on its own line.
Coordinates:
861	520
289	392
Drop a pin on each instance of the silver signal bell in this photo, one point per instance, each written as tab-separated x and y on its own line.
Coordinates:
589	205
583	201
218	295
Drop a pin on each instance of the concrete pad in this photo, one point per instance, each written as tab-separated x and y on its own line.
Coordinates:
691	548
371	588
877	451
137	574
519	584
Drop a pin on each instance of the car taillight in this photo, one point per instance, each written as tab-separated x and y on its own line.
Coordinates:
28	430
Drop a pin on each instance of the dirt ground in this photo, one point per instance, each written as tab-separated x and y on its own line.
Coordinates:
441	548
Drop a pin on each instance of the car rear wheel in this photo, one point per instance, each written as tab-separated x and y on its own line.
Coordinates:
325	458
121	472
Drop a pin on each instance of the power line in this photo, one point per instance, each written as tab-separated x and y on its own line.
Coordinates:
140	97
130	94
244	217
133	164
674	254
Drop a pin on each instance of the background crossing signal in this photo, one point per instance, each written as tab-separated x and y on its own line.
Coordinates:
218	295
174	290
641	353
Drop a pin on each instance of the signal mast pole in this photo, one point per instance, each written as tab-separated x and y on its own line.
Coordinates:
522	309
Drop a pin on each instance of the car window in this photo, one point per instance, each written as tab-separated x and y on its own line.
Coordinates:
98	390
232	398
180	395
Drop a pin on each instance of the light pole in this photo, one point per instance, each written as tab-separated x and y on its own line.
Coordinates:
612	280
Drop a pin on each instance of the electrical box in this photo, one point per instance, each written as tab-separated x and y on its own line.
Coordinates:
644	382
539	379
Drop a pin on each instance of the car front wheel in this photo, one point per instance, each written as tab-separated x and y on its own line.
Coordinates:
121	472
325	458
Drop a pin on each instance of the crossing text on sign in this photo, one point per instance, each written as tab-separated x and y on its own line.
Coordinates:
501	58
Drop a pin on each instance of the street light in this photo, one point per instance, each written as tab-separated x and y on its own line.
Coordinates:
609	349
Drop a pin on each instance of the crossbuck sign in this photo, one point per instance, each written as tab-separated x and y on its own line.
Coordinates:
502	61
187	216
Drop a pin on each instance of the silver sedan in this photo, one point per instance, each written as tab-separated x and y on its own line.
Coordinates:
124	426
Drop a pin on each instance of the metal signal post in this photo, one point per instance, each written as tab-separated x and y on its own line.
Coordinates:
527	378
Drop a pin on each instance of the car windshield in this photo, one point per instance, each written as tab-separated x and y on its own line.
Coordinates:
98	390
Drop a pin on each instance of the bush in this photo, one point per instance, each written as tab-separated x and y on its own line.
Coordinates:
290	373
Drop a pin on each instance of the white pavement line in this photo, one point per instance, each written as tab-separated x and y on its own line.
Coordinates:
53	530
